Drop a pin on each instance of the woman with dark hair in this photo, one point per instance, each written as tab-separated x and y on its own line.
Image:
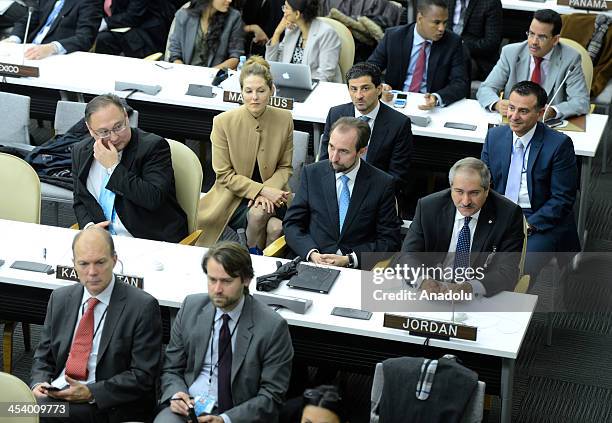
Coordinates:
323	404
308	40
207	33
252	150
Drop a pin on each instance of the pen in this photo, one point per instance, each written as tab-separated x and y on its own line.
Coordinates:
44	254
179	399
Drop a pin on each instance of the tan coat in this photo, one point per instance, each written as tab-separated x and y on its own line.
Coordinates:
237	140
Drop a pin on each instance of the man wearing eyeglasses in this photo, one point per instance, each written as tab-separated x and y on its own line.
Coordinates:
543	60
123	177
535	167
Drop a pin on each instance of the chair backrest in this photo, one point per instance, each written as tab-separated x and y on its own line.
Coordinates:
473	410
347	45
13	390
68	113
188	180
522	285
587	64
15	112
19	190
300	150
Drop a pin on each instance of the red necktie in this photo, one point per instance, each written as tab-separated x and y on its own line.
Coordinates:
536	75
419	69
76	365
107	7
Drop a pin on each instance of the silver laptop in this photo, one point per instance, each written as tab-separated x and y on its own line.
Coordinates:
292	75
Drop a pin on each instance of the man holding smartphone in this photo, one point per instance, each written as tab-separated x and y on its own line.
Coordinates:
123	177
100	345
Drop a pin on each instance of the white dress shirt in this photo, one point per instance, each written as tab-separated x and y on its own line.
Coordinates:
523	198
99	319
201	385
97	173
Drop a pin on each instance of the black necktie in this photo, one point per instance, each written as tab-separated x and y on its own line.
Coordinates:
224	380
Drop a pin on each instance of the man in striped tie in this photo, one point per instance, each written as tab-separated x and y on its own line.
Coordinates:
467	226
101	342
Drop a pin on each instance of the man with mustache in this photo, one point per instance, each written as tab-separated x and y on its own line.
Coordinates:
466	225
535	167
229	356
344	207
543	60
423	57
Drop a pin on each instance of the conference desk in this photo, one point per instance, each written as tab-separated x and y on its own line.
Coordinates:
94	74
318	337
532	6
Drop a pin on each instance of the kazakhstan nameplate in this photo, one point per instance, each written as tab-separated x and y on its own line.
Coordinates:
68	273
430	328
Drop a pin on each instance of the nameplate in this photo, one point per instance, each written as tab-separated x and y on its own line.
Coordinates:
430	328
585	4
68	273
18	71
278	102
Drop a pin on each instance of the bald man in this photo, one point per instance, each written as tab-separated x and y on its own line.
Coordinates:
101	341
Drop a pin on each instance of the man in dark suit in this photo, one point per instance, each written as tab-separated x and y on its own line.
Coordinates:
345	206
479	23
147	21
101	341
59	27
535	167
423	57
390	145
123	177
229	355
465	226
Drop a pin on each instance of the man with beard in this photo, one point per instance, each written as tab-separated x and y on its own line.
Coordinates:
344	206
229	356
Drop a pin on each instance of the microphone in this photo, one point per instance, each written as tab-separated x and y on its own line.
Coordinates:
25	35
567	74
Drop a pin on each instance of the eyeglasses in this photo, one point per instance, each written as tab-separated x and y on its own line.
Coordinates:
284	8
117	129
541	38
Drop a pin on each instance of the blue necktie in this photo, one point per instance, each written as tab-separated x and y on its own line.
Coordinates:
107	202
366	119
344	200
45	29
513	184
462	253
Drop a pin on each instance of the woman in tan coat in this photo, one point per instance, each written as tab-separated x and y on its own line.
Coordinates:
252	148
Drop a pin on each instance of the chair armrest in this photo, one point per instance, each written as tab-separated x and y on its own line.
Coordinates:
192	238
277	248
154	57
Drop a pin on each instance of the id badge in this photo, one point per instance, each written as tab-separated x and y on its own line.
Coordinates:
204	404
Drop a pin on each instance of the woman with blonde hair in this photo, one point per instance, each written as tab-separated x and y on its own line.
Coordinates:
252	149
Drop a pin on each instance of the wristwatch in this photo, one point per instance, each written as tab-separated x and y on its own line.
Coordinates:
351	260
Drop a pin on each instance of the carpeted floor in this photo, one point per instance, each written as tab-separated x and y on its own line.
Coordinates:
570	381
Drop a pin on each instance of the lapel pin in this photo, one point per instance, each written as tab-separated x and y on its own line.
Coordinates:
490	221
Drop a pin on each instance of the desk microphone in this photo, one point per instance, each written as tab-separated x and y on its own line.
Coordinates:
25	35
567	74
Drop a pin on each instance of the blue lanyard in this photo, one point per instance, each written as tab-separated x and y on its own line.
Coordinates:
523	167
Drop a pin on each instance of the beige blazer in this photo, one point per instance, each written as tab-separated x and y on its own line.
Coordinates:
237	140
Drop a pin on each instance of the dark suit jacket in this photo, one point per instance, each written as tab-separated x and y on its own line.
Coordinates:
371	223
144	186
499	230
482	30
390	147
552	177
129	352
261	363
75	28
147	18
446	71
